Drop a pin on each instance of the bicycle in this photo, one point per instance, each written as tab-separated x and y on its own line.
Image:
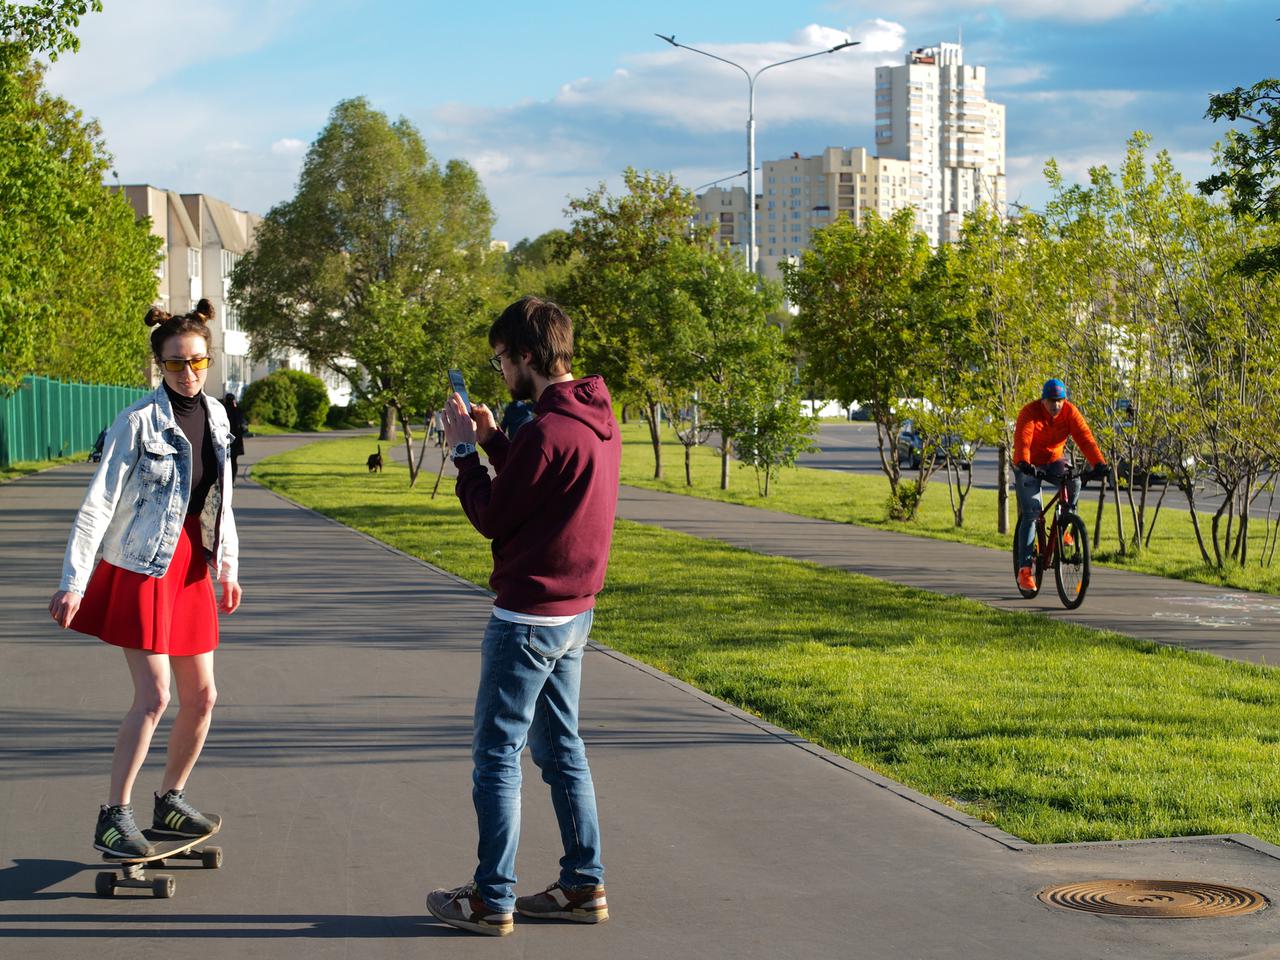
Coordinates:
1070	560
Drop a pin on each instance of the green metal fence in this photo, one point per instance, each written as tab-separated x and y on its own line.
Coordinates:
46	418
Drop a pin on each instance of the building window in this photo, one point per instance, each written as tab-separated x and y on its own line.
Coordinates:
193	262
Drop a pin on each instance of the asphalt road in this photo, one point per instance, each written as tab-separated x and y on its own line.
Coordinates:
339	756
852	447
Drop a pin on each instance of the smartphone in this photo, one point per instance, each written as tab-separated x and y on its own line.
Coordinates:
457	386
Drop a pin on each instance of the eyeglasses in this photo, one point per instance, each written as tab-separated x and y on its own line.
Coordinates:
195	363
496	361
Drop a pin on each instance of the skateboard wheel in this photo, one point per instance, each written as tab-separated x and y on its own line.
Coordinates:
105	884
211	858
163	887
156	864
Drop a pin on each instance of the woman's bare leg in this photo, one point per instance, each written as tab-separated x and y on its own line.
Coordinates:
150	672
196	697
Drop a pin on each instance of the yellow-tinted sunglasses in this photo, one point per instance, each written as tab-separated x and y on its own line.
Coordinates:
196	363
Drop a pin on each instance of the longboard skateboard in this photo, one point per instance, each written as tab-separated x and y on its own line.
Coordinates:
133	869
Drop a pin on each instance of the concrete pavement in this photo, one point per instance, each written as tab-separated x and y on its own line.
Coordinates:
339	756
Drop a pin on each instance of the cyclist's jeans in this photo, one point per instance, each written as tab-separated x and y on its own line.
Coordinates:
1029	504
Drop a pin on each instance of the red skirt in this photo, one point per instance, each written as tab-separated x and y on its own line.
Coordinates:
173	614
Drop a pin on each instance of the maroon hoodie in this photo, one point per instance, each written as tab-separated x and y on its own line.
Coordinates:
549	508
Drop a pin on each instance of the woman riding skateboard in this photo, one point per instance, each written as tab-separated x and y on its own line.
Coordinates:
159	506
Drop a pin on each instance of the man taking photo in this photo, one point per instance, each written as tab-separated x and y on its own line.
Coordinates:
549	510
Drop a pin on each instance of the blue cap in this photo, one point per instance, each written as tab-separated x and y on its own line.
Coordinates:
1054	389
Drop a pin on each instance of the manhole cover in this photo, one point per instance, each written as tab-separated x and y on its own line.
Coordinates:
1159	899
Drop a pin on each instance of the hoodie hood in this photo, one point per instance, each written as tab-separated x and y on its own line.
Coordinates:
586	400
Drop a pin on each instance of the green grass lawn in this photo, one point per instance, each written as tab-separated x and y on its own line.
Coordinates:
862	498
1053	732
25	468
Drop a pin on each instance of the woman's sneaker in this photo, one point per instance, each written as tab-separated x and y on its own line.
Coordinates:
118	836
174	817
463	908
580	904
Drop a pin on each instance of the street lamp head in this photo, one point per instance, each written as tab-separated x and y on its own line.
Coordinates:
671	39
847	43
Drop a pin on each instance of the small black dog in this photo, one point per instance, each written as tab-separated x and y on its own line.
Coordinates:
375	461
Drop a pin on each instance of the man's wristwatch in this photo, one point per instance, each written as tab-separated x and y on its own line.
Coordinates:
462	450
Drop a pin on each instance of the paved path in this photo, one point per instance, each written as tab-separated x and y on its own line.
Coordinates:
339	755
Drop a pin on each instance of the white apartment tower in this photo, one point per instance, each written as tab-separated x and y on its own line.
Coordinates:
802	194
932	112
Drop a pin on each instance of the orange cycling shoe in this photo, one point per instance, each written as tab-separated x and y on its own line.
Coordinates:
1067	539
1027	579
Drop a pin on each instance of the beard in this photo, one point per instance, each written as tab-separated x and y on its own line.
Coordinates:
523	388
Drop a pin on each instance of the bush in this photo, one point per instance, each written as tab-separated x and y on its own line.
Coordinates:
358	413
289	399
271	400
311	396
907	502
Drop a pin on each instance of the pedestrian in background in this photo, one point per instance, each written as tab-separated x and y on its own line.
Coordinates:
159	506
236	419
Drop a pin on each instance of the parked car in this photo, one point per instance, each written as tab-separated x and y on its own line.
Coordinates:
911	444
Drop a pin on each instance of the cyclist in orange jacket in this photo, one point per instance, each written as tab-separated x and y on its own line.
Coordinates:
1038	440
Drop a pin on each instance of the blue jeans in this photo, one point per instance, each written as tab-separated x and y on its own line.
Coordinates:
529	682
1029	504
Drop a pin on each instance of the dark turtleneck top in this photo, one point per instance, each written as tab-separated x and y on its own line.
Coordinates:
193	420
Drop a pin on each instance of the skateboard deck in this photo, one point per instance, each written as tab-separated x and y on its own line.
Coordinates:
163	885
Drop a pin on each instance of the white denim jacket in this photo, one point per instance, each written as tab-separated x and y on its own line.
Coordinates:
137	501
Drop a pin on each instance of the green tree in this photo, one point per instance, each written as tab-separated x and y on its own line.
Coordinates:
1251	163
636	320
76	269
378	268
860	326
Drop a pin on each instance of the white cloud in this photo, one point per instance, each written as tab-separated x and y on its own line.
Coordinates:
133	45
684	89
1075	11
288	147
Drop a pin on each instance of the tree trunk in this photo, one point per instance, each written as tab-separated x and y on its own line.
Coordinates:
1115	479
422	451
1151	528
444	455
387	431
655	437
726	451
1002	490
408	448
1102	508
688	469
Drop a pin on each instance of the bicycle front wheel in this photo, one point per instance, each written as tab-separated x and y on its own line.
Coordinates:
1071	561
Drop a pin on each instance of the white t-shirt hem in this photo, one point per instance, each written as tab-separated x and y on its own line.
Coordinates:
531	619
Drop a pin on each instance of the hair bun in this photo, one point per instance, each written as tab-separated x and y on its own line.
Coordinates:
155	316
204	309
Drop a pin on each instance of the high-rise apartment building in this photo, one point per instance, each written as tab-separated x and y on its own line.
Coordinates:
725	212
932	112
803	194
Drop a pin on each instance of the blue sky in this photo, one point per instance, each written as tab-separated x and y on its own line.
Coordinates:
548	100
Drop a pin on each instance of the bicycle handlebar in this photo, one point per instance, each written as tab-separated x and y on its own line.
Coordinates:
1084	472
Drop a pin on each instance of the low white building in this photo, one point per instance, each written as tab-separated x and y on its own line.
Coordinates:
203	240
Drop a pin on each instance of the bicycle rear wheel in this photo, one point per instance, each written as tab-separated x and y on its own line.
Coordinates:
1071	561
1019	531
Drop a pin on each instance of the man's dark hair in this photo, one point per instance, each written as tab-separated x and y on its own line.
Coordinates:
539	328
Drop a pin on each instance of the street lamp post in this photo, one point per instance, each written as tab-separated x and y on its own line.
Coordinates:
751	126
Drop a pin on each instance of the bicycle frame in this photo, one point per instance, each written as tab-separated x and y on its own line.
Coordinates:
1046	543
